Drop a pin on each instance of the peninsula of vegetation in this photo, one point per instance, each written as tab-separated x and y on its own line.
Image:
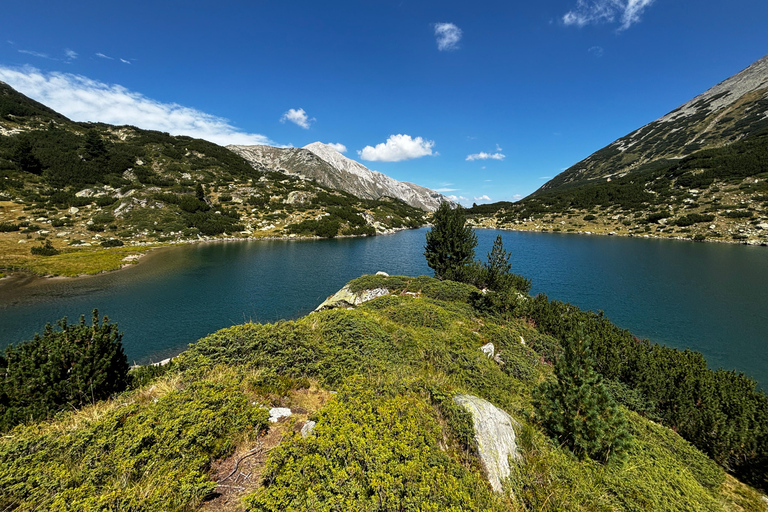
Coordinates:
458	392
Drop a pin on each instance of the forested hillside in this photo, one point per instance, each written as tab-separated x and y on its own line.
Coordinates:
66	185
718	194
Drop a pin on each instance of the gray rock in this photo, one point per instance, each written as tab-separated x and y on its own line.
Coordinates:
307	429
495	437
488	349
278	412
345	298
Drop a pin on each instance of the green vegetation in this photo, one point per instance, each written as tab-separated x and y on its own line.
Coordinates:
70	367
97	185
577	410
391	437
373	452
450	244
682	193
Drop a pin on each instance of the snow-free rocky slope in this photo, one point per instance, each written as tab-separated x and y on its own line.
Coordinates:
728	112
322	163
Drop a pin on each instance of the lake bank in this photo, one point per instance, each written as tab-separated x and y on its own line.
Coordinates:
708	297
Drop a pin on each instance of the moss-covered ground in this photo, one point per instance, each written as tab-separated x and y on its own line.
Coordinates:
379	381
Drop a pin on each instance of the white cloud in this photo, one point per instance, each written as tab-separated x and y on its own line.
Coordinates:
482	198
485	156
398	147
298	117
448	36
626	12
125	61
517	197
83	99
341	148
71	54
104	56
445	189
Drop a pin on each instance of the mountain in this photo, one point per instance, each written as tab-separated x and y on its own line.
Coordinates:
73	187
699	172
730	111
332	169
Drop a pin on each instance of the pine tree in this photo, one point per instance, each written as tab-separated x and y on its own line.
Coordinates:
94	146
450	244
577	409
498	264
65	368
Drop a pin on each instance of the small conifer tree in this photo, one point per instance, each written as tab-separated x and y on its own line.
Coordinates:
578	411
450	244
71	367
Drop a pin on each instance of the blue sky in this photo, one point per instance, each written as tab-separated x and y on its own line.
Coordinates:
483	101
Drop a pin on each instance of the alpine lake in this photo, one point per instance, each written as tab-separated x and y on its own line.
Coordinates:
709	297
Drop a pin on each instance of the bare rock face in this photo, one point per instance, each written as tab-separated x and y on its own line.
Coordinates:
328	167
495	436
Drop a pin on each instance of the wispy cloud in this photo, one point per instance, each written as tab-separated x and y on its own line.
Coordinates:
596	51
448	36
482	198
35	54
445	189
124	61
71	54
398	147
297	117
83	99
624	12
99	54
485	156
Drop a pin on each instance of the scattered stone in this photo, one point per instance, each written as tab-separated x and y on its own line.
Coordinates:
495	437
278	412
488	349
73	210
382	273
522	340
307	429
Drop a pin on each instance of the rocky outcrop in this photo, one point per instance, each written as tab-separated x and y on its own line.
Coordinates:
346	298
328	167
495	437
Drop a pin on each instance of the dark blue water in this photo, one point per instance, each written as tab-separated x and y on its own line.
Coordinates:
709	297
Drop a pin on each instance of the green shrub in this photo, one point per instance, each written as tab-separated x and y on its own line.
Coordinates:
64	368
578	411
47	249
142	454
369	452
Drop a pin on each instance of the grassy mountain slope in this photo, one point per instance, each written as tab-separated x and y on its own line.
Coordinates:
70	187
731	110
378	380
718	194
700	172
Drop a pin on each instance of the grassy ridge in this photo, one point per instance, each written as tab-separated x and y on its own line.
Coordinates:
390	437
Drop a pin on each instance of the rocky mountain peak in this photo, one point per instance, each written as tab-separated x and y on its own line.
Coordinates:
322	163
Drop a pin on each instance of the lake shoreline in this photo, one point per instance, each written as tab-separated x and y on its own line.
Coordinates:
14	278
